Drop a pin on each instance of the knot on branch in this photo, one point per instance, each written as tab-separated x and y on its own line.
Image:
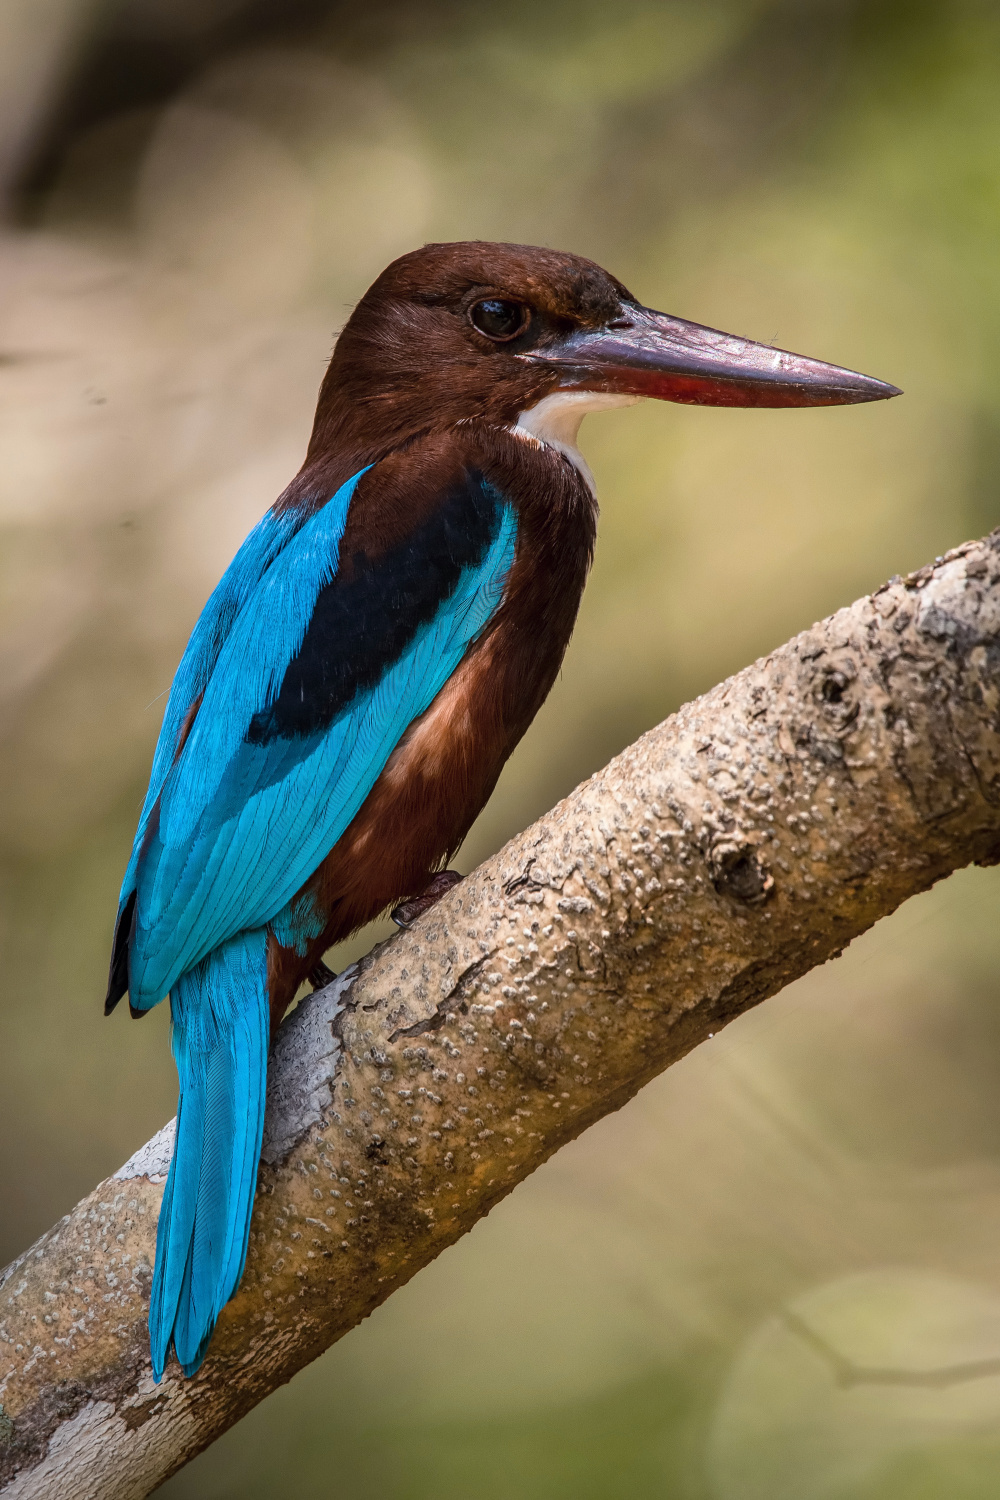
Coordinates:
835	691
740	871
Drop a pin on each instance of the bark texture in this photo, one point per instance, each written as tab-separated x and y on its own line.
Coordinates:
748	838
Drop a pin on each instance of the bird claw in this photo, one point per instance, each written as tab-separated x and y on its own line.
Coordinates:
320	975
407	912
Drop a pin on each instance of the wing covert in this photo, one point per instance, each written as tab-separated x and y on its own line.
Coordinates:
267	539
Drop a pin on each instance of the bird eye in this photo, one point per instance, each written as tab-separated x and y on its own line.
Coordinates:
499	319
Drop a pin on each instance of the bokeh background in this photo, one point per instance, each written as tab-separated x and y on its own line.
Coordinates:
776	1274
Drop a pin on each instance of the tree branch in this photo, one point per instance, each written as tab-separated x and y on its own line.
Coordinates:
748	838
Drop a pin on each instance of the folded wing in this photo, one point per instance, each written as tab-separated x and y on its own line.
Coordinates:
310	674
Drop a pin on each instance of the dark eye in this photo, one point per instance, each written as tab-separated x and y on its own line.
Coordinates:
499	319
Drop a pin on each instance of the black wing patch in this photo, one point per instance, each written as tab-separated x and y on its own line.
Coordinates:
368	614
118	977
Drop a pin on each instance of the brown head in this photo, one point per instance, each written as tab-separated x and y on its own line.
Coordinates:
473	330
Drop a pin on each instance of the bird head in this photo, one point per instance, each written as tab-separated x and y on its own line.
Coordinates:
521	335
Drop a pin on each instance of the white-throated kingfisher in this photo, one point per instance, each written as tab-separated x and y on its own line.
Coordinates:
376	649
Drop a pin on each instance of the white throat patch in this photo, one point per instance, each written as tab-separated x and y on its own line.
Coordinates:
555	421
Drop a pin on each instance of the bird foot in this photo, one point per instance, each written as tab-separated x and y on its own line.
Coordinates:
320	975
407	912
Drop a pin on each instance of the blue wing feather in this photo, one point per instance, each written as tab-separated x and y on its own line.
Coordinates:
266	541
252	663
241	825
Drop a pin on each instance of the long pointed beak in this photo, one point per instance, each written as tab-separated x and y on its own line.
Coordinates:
647	353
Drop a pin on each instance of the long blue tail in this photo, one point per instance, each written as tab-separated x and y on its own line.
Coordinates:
220	1024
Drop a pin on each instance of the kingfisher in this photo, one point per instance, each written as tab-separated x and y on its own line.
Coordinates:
374	652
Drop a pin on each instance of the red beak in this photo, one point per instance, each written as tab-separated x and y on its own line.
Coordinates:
646	353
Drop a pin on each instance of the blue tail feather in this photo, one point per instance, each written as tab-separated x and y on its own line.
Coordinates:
220	1025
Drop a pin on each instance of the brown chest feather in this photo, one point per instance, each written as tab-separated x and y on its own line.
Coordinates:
445	766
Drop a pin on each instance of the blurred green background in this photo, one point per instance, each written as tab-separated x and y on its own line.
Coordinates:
776	1274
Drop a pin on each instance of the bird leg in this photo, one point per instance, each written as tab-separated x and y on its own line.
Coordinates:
407	912
320	975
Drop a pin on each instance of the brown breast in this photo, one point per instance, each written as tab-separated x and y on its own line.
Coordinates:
447	763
